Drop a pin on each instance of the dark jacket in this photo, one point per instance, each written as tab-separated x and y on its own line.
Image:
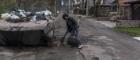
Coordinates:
72	25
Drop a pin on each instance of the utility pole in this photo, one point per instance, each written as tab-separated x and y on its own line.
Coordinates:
55	6
117	1
69	5
18	3
62	5
87	7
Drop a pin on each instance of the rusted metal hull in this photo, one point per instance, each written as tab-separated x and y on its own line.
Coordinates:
26	33
19	38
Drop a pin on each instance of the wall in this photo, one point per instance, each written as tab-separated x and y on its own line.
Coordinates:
103	11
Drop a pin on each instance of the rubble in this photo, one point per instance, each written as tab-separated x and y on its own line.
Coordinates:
22	15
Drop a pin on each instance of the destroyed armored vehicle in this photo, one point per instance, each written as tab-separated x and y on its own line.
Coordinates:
16	31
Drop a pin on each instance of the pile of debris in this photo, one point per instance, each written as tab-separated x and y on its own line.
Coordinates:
20	15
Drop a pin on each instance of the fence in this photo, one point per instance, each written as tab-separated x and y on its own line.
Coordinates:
124	12
128	23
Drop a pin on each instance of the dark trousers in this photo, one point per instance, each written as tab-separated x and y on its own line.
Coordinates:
73	33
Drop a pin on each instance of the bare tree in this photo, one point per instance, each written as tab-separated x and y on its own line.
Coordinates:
40	4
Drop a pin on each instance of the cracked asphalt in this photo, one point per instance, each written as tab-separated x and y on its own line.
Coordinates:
98	43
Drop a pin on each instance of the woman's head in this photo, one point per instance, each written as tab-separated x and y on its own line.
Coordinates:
65	16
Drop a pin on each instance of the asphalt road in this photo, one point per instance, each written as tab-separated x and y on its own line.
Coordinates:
116	46
98	42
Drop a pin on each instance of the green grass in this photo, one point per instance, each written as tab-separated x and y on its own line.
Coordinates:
134	31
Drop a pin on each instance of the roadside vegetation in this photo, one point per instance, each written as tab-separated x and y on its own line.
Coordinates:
6	5
134	31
